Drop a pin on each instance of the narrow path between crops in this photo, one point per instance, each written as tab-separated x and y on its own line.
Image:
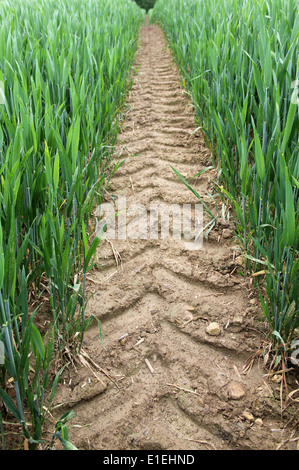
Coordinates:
155	300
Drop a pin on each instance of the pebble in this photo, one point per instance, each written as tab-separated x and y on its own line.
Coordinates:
276	378
259	422
237	320
249	416
235	391
213	329
240	260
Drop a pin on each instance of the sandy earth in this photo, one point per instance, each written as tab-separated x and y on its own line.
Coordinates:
165	383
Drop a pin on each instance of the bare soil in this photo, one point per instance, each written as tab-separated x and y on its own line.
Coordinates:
164	382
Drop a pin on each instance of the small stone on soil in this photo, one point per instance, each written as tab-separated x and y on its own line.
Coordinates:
213	329
259	422
235	391
249	416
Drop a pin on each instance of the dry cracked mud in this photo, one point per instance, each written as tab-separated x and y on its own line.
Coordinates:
162	381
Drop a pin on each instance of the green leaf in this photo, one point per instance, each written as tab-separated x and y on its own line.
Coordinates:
84	239
75	143
67	445
258	155
193	191
91	252
37	344
277	334
55	383
290	220
56	171
10	404
10	261
289	126
1	258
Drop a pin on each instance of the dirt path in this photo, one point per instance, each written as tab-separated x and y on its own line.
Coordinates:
156	303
